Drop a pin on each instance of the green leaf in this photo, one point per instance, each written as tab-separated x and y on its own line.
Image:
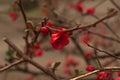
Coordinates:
9	53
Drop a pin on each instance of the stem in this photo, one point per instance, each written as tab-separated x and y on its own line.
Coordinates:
107	26
103	51
96	71
95	52
19	52
80	49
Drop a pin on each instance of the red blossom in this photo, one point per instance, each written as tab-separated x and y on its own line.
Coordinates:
71	61
88	54
36	46
59	40
79	7
65	70
13	15
86	38
38	52
119	73
49	23
44	29
90	68
102	75
49	63
90	11
106	62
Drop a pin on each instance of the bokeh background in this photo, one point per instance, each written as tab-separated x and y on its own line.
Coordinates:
14	30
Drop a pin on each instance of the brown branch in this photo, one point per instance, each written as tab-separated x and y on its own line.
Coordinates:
19	3
98	61
113	2
107	25
105	37
89	25
103	51
19	52
96	71
80	50
11	65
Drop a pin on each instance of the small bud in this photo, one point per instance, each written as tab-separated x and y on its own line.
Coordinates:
44	29
38	53
90	11
49	23
36	46
13	15
79	7
88	54
90	68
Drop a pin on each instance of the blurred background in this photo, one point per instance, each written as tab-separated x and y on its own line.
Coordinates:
36	10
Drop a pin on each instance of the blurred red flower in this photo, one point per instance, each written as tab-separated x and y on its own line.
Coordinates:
13	15
59	40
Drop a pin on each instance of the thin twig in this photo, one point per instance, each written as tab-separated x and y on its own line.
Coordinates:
95	52
84	27
103	51
11	65
80	49
113	2
19	52
96	71
105	37
107	25
25	21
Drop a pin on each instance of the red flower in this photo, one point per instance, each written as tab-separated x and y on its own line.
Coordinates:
79	7
36	46
49	63
13	15
119	73
71	61
118	78
44	29
59	40
38	52
90	68
88	54
65	70
86	38
49	23
106	62
102	75
90	11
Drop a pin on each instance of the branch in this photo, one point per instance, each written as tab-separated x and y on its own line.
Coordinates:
96	55
96	71
11	65
19	3
80	50
107	25
20	53
105	37
103	51
89	25
113	2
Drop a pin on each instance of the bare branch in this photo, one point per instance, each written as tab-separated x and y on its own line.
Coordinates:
96	71
11	65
